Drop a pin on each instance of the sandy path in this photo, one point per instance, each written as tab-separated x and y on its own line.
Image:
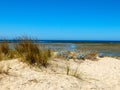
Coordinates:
91	75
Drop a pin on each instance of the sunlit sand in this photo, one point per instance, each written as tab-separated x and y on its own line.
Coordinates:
103	74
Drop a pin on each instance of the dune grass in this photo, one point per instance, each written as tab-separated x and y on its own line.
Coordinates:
67	67
26	49
36	54
0	55
12	54
31	52
6	52
92	56
4	47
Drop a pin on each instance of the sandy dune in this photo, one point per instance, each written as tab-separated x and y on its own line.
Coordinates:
103	74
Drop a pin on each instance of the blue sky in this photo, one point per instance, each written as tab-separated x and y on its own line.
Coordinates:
61	19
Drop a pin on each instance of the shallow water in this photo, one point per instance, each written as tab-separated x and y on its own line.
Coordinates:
101	48
104	49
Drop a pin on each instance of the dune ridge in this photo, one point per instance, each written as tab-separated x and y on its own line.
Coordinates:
103	74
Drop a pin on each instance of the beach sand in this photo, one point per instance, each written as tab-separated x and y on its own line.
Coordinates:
103	74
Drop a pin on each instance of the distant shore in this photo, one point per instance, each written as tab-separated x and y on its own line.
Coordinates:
65	41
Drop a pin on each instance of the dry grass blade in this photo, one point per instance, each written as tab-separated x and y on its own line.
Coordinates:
0	55
4	46
32	53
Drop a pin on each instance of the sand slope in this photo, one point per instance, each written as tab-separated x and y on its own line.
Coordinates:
91	75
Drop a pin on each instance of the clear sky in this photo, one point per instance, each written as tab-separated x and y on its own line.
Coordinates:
61	19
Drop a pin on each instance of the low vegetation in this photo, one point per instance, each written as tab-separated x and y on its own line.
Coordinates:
0	55
82	55
6	52
4	47
91	56
29	51
67	67
36	54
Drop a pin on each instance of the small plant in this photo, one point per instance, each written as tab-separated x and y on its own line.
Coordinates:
75	73
4	46
13	54
67	67
91	56
80	56
0	55
32	53
49	53
68	70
